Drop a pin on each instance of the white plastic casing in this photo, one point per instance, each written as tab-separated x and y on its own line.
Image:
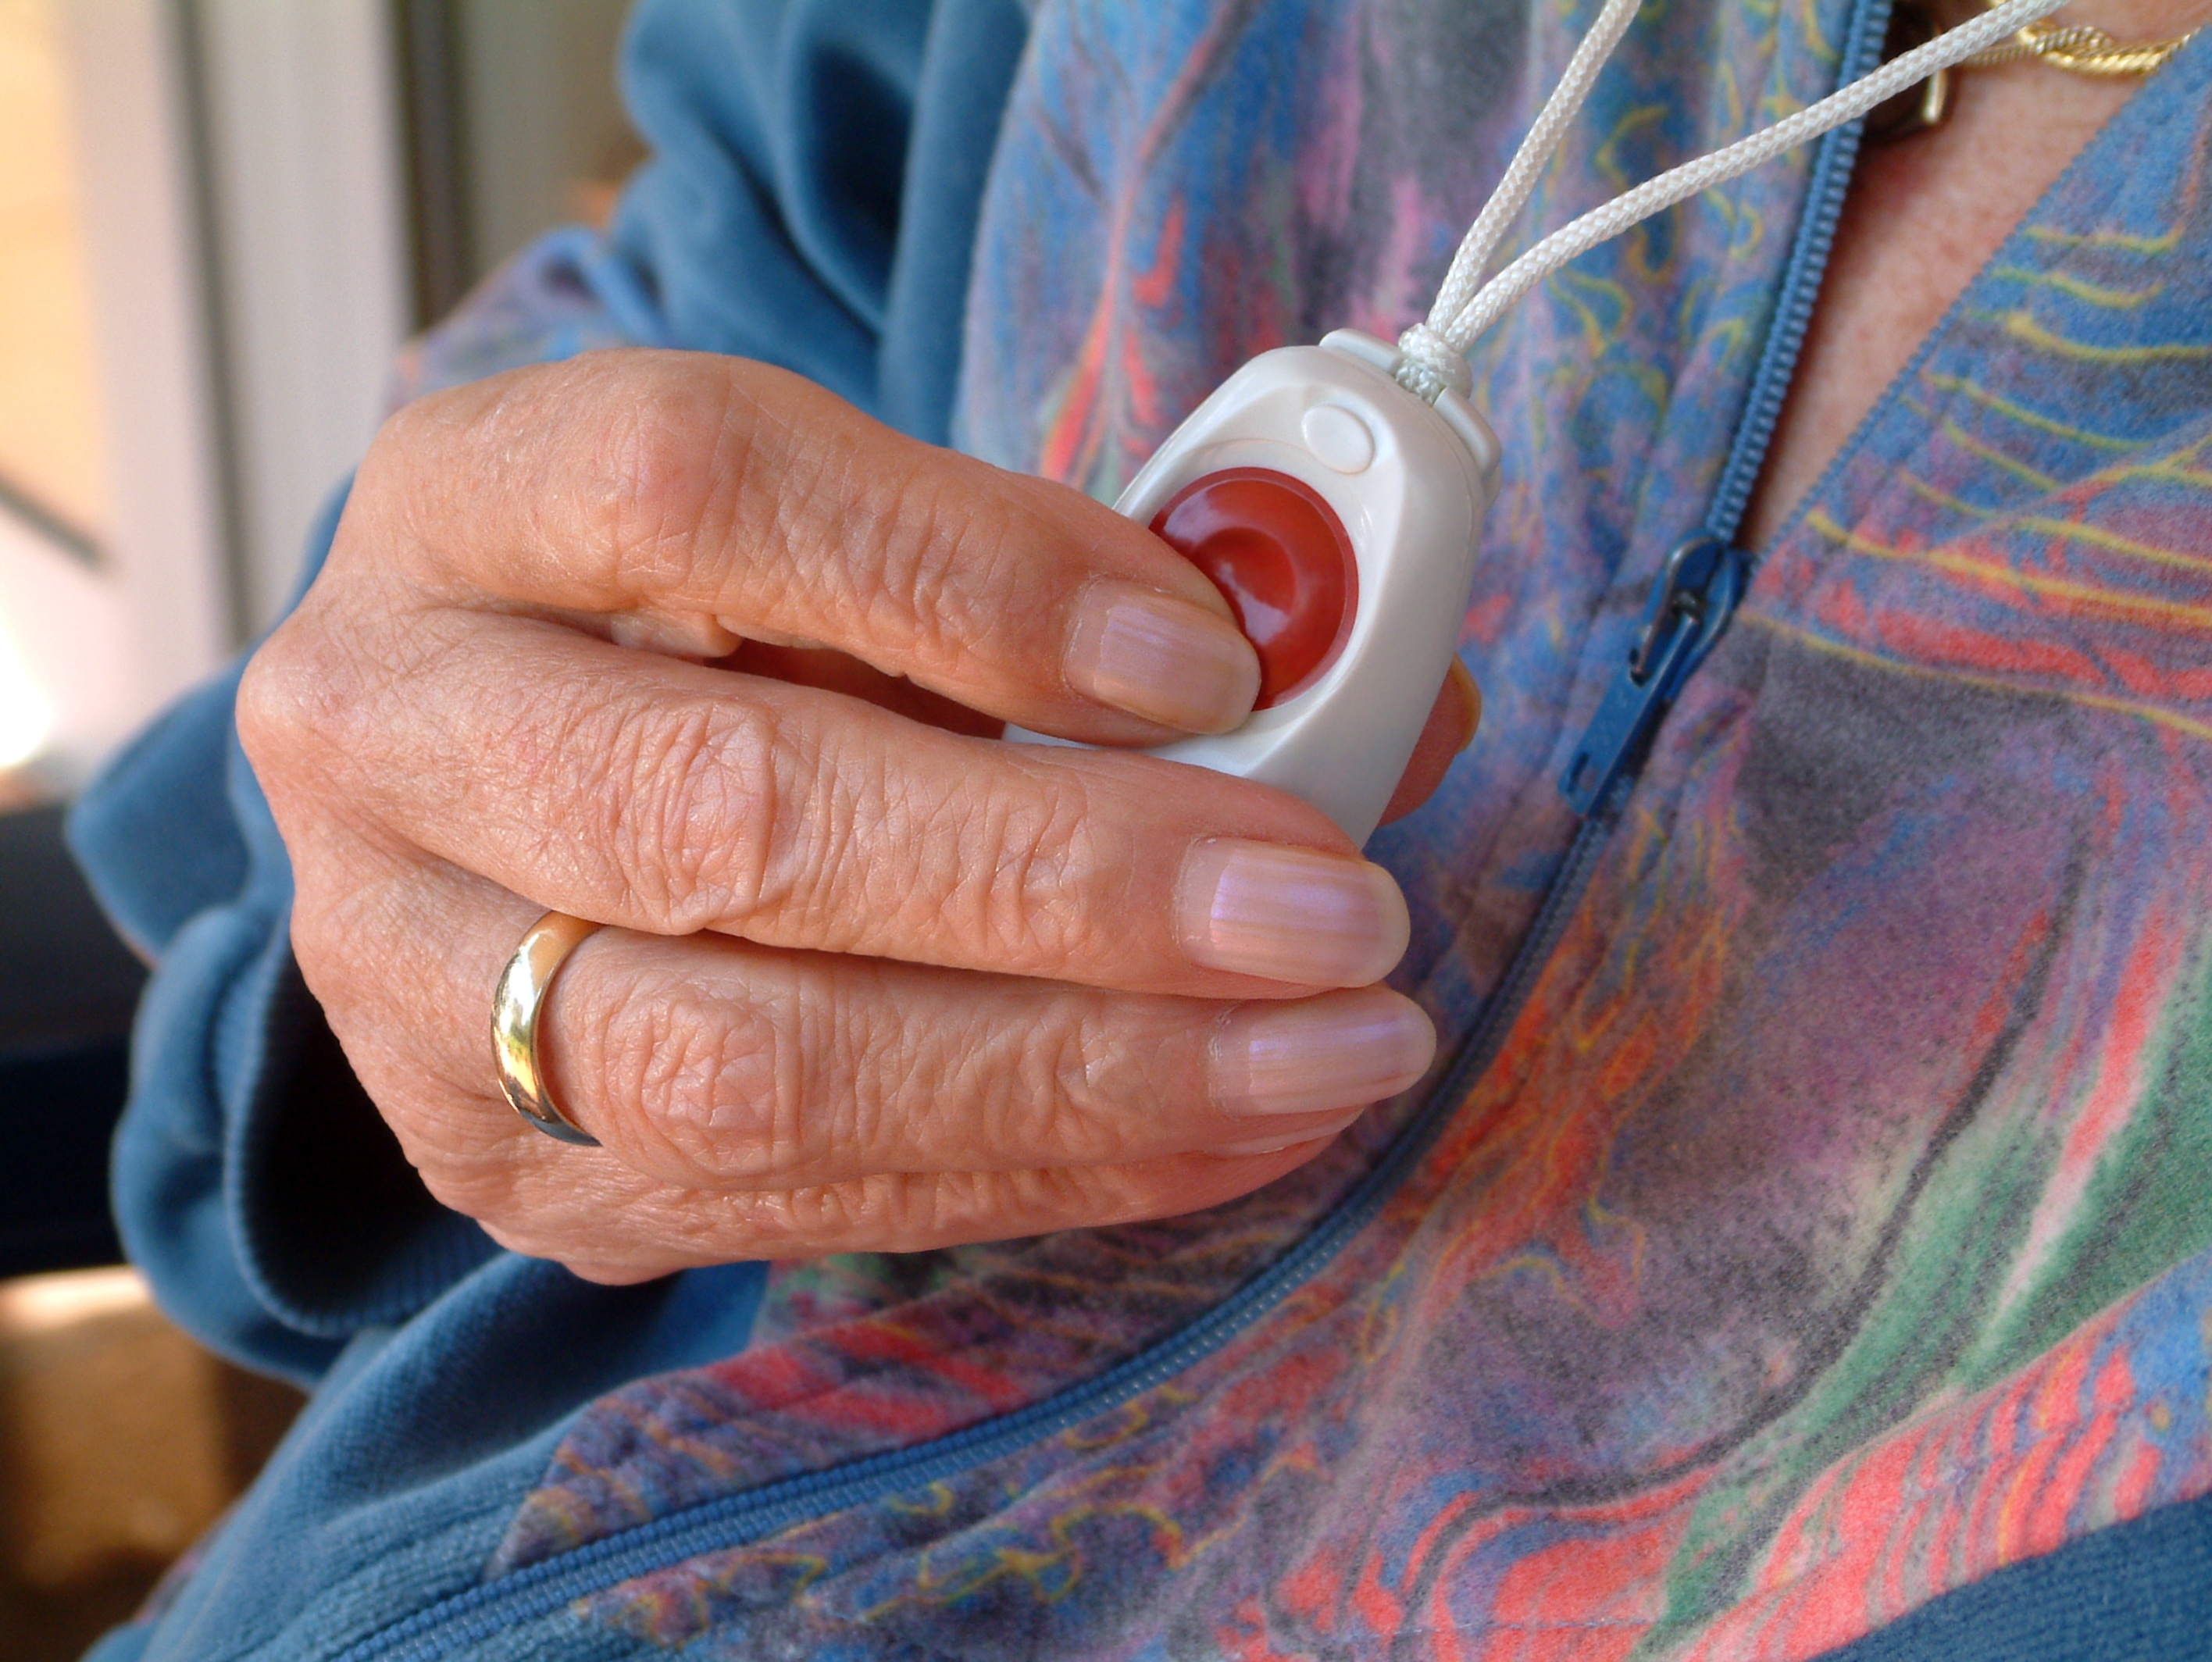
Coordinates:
1411	483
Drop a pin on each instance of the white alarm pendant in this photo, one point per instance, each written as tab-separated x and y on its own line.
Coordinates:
1335	493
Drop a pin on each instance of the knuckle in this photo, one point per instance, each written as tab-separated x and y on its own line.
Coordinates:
1088	1086
1006	873
419	426
1106	1195
687	798
282	702
832	843
670	465
1050	851
267	711
407	481
295	710
1024	904
317	696
1065	1087
826	1217
942	556
897	1212
707	1092
1020	1090
922	556
388	470
967	1206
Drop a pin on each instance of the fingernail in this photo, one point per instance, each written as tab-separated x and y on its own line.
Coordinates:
1161	659
1289	913
1345	1051
1277	1144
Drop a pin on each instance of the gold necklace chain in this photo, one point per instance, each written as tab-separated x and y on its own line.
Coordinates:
2082	49
2076	48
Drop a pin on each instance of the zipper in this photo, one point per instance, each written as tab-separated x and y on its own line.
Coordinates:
1691	600
1690	605
490	1608
1698	586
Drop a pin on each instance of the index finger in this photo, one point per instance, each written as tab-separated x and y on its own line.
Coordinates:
690	487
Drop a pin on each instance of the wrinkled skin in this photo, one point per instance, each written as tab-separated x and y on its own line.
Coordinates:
878	983
684	646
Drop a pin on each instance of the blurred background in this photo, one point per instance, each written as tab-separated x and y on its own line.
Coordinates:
218	221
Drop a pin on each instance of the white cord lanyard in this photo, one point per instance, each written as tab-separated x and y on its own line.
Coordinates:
1434	351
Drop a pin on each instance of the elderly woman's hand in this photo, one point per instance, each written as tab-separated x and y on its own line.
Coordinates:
875	978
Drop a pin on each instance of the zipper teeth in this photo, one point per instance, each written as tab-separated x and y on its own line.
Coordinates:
480	1612
1801	284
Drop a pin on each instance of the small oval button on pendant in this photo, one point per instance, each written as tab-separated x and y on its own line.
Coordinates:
1338	438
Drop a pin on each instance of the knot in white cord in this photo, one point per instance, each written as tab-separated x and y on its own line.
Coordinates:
1429	365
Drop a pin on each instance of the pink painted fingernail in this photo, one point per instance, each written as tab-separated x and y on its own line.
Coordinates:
1161	659
1341	1051
1289	913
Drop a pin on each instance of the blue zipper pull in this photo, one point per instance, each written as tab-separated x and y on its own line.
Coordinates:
1690	604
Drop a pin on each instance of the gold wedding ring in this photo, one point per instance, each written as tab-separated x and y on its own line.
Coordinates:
516	1004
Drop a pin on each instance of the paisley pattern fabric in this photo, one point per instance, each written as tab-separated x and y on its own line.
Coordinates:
1835	1226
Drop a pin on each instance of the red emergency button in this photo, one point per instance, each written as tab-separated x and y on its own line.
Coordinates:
1277	550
